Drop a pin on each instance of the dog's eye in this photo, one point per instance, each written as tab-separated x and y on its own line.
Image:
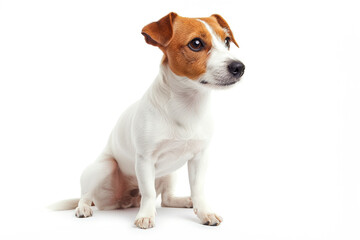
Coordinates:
196	45
227	42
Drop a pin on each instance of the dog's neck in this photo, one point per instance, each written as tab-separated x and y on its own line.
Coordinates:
182	99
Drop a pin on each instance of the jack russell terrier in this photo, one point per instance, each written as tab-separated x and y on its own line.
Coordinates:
168	127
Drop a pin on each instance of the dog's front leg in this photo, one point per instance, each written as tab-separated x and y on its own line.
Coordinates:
145	174
197	168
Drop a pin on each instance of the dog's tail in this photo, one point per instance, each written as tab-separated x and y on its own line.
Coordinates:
64	205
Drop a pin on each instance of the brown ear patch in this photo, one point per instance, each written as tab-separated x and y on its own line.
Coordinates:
160	33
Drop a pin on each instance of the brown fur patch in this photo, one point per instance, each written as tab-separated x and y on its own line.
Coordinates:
224	25
181	59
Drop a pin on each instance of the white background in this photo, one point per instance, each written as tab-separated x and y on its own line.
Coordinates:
285	154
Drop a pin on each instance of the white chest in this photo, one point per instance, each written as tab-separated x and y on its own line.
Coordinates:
171	154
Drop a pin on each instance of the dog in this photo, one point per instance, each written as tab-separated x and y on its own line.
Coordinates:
167	128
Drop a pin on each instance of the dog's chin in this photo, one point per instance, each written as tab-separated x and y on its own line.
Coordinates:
219	84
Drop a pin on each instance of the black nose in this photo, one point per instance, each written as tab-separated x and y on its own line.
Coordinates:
236	68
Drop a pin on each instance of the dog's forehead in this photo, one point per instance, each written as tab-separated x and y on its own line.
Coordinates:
189	28
215	27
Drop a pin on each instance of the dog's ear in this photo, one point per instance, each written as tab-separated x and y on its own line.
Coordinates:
160	33
224	25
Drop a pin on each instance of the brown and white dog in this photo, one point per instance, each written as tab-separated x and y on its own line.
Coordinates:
168	127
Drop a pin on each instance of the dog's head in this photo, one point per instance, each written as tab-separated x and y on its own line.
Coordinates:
197	48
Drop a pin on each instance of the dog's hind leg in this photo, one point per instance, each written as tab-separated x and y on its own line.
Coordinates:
100	185
165	185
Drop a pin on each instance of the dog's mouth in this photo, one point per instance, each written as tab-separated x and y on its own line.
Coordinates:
221	84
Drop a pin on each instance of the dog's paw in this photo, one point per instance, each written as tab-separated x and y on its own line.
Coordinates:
145	222
83	211
210	219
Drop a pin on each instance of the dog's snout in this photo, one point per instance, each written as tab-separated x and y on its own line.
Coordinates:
236	68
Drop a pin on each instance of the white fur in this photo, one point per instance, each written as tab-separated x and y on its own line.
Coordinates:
218	61
167	128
